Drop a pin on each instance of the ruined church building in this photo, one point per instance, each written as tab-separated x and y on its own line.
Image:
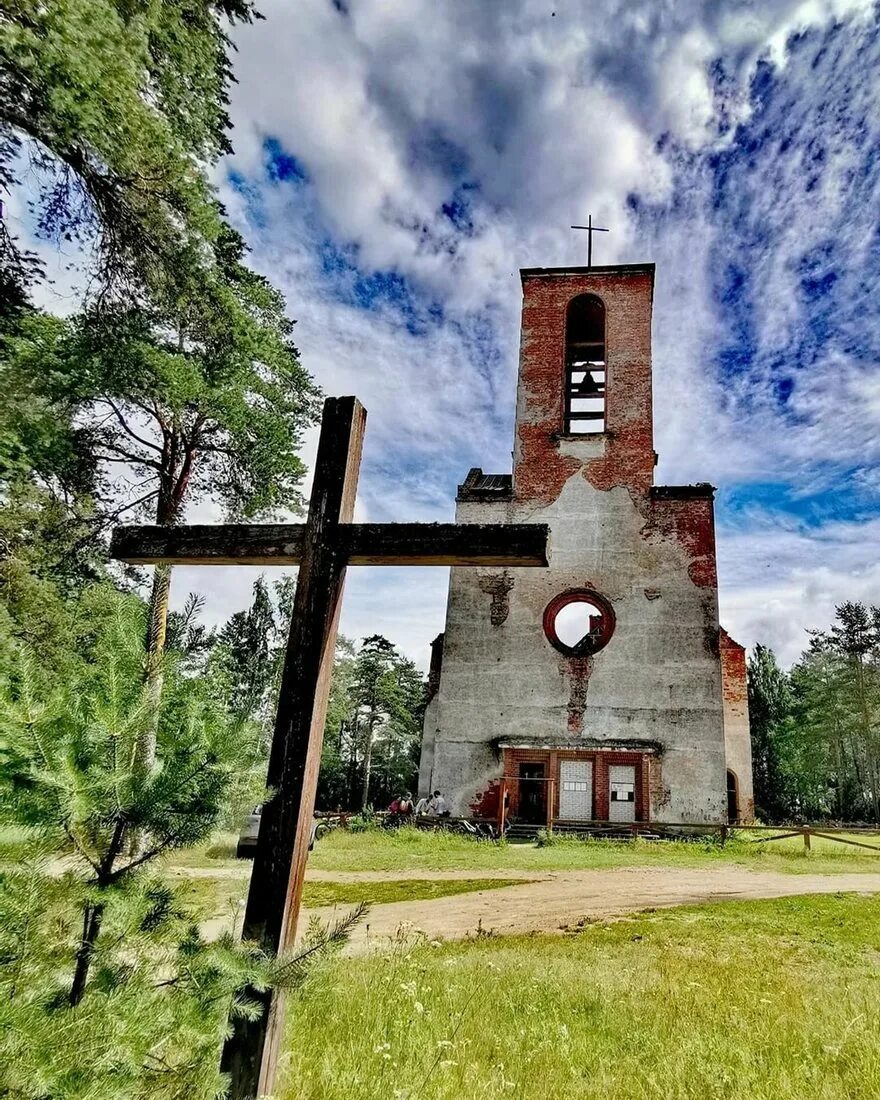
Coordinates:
601	688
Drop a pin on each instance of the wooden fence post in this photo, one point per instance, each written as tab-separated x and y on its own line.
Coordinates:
502	808
806	833
724	831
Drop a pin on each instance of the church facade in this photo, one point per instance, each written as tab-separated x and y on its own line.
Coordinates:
602	687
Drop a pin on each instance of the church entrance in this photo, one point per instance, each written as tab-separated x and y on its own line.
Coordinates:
576	790
573	785
621	792
533	792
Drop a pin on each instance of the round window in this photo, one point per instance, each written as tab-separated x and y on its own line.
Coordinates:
579	622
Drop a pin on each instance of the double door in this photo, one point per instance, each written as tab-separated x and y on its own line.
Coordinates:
576	785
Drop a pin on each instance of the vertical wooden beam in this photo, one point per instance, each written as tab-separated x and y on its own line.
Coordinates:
250	1055
807	841
502	808
551	794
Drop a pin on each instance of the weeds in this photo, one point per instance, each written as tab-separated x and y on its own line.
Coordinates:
768	1000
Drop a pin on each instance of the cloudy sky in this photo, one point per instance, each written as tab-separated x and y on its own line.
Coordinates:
397	162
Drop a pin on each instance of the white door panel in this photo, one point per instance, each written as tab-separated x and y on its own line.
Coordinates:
621	792
576	790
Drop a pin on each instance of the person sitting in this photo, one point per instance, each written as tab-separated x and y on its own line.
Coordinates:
422	806
405	805
437	805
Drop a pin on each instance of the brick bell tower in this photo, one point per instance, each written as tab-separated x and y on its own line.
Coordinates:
590	690
584	393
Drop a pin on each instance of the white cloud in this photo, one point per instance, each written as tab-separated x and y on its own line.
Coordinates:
549	116
778	582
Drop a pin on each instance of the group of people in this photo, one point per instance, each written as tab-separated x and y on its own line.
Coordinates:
429	806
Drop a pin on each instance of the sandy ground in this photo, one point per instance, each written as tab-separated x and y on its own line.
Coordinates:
557	900
547	901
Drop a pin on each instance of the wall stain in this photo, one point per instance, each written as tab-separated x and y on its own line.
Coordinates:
578	670
498	586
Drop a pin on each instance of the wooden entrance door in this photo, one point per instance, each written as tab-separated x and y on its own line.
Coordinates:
533	792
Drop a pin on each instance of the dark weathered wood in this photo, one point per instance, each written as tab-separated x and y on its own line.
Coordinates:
250	1054
843	840
487	544
322	547
778	836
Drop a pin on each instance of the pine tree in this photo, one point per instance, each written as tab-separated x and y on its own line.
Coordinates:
120	106
70	766
769	702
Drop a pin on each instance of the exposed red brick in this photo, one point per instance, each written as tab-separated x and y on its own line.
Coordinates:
628	461
486	803
578	670
734	681
602	761
542	481
692	524
659	792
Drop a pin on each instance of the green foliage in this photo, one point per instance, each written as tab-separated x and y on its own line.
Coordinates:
373	728
248	646
768	1000
201	395
37	433
99	949
67	759
816	731
155	1010
769	703
122	103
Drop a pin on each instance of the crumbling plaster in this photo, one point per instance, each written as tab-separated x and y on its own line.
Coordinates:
650	551
657	679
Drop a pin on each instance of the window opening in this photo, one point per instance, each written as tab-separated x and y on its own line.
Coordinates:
578	623
585	366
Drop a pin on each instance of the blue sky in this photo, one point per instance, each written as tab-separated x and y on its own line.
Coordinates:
397	162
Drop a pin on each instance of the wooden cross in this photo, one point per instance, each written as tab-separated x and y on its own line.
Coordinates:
322	548
591	229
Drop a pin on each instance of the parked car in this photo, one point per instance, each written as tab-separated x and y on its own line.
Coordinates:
247	838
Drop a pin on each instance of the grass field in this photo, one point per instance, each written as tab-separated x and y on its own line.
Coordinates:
417	850
215	896
765	1000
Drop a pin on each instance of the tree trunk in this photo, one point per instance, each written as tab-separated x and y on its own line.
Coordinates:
156	631
178	460
92	917
368	760
870	755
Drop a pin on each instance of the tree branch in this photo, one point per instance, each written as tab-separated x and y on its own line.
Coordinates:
128	456
128	431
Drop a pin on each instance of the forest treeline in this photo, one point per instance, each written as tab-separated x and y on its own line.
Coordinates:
816	728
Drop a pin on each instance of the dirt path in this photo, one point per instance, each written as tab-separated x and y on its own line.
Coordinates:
556	900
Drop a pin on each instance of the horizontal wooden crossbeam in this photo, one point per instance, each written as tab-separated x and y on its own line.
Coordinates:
487	544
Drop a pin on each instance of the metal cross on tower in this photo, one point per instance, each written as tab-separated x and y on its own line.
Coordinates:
591	229
322	547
